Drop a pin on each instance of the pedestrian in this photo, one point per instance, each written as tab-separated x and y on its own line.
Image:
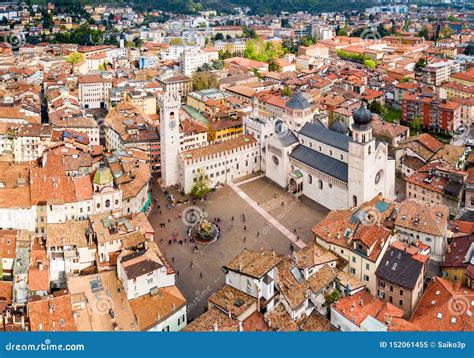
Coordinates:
245	239
282	203
258	234
200	275
169	221
274	196
297	238
169	242
232	218
294	230
292	248
191	265
161	241
177	273
185	240
245	227
172	259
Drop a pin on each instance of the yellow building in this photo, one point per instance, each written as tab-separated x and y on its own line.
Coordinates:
456	265
224	129
145	102
198	99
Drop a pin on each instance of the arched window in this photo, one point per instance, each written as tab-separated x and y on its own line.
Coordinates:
310	179
320	184
370	149
107	203
171	115
354	200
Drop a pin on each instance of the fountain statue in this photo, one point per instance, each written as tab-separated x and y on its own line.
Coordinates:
204	231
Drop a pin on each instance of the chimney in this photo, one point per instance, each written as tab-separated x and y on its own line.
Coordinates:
216	327
241	328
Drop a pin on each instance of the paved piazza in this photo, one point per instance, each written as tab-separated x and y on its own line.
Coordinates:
271	228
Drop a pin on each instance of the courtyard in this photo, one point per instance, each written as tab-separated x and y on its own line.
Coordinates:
274	220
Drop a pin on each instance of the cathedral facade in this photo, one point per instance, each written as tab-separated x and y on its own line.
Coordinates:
330	167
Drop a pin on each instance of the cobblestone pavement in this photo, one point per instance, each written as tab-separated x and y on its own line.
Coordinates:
297	216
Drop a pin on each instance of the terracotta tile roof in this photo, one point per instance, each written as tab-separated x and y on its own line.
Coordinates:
6	288
294	292
140	263
388	130
445	306
255	323
411	162
315	322
151	310
232	301
38	273
313	254
51	313
341	226
254	263
360	306
322	278
423	217
213	320
450	155
70	233
456	255
278	319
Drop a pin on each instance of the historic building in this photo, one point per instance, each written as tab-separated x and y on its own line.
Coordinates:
329	166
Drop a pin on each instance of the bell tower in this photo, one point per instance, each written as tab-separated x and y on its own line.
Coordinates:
362	160
169	103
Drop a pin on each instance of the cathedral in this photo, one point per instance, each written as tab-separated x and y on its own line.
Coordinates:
329	166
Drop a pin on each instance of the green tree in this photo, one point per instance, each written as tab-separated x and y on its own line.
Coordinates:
424	33
224	54
375	107
420	63
287	91
469	49
201	186
75	57
416	124
371	64
263	51
176	41
219	36
332	297
204	80
342	32
273	66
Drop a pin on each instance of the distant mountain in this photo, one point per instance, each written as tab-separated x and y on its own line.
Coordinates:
256	6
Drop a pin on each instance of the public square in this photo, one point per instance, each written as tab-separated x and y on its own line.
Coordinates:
274	220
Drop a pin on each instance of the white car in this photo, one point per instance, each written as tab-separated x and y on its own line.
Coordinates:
469	142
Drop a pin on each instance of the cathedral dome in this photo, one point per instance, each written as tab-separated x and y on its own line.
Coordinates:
339	127
362	116
103	176
298	102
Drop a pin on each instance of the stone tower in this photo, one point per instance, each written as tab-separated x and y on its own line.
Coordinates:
170	104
